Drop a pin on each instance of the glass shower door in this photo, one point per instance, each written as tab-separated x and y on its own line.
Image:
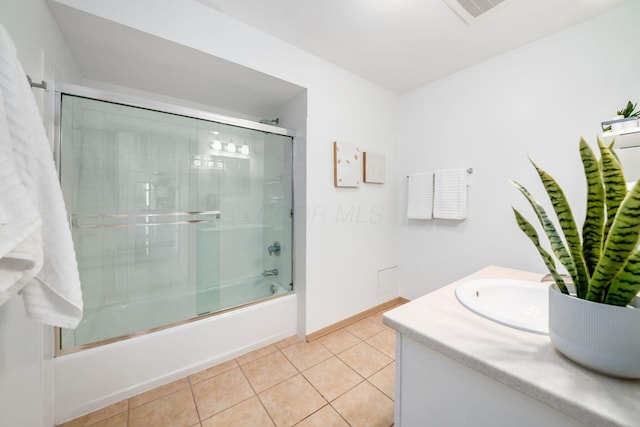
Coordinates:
278	212
172	216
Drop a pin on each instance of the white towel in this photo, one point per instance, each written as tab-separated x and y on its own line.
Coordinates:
20	241
35	234
450	194
420	197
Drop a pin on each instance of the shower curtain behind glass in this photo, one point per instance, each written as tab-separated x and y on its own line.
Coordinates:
172	216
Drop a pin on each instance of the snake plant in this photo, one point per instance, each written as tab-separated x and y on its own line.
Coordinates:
603	260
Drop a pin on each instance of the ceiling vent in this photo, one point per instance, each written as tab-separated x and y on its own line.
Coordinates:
471	10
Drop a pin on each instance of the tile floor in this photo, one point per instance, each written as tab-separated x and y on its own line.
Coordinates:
345	378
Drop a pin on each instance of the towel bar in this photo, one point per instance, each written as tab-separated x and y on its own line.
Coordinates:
469	171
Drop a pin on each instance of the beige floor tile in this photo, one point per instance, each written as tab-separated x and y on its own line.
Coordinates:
364	329
384	380
332	378
224	397
288	341
305	355
213	371
268	371
99	415
339	341
256	354
221	392
174	410
365	406
119	420
249	413
385	341
325	417
364	359
158	392
377	318
291	401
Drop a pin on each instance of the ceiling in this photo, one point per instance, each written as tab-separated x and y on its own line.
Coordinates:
398	44
404	44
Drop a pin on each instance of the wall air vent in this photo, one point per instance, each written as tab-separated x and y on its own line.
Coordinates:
471	10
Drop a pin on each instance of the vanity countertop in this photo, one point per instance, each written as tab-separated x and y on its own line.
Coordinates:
524	361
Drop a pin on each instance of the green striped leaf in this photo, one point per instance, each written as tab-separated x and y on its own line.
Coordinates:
557	245
593	227
620	243
614	183
610	146
568	225
531	232
626	284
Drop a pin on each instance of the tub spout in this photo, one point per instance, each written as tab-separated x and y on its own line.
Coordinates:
268	273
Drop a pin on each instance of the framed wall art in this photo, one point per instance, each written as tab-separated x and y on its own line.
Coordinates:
374	167
347	165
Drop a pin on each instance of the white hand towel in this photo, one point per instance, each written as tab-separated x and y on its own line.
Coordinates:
450	194
20	240
38	238
420	197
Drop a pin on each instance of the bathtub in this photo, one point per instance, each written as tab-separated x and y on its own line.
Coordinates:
91	379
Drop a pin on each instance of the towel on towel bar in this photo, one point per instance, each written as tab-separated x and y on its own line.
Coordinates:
36	249
420	196
450	194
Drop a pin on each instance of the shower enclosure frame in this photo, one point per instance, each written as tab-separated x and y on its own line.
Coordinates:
62	88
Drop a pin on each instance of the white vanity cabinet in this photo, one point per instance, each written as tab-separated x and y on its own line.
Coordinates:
436	391
457	369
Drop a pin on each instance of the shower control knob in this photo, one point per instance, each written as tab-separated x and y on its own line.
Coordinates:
274	249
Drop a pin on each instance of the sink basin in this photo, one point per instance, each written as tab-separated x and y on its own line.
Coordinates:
515	303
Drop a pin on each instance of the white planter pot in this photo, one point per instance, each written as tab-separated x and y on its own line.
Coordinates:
601	337
630	124
616	126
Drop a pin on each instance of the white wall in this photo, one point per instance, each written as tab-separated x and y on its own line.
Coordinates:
294	116
534	101
137	93
351	233
26	368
